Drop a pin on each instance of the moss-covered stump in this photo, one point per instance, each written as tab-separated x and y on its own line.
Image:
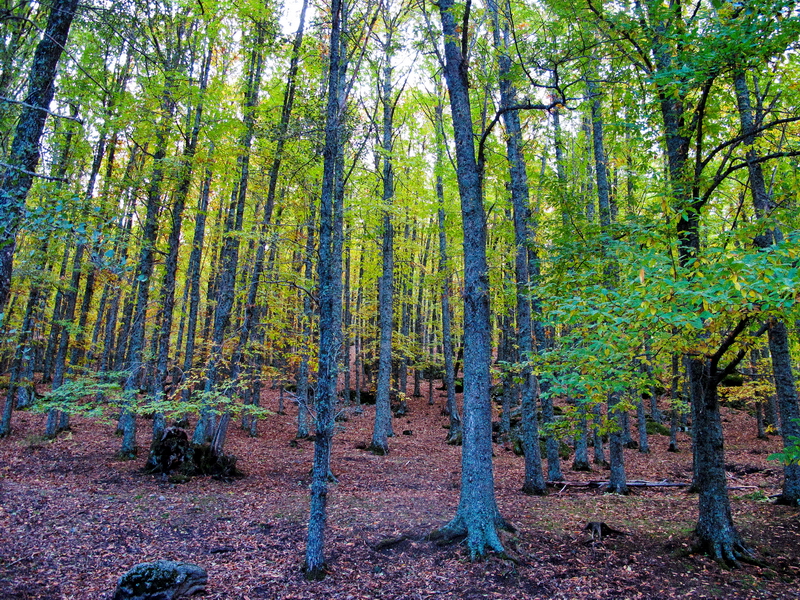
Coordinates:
174	456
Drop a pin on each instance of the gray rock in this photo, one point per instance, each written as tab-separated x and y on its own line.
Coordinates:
161	580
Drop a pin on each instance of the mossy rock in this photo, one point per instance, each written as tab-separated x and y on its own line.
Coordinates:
656	428
161	580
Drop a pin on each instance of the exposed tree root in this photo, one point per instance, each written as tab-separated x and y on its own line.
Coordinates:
482	538
728	553
378	450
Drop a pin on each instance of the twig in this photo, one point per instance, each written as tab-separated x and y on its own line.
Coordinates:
33	106
21	170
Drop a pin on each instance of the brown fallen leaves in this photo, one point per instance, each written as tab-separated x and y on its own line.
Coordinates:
73	519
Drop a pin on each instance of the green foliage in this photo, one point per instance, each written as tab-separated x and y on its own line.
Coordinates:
790	455
86	394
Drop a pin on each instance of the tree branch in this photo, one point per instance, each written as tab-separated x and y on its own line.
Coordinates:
741	165
728	342
21	170
740	355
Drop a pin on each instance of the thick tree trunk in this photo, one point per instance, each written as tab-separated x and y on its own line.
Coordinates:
17	177
477	516
715	530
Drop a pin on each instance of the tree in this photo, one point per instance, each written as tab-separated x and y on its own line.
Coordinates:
683	79
477	516
524	255
329	274
17	175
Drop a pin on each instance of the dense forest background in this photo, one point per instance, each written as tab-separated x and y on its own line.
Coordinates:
577	218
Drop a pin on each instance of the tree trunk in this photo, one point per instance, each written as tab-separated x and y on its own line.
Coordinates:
16	178
477	516
229	256
715	531
641	418
171	262
383	412
329	271
617	478
786	392
454	432
193	272
302	394
524	253
785	387
144	273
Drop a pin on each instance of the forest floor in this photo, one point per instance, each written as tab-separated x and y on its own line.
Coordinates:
73	519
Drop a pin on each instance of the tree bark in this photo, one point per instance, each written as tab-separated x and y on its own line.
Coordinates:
383	413
144	273
524	253
477	516
16	178
329	272
454	432
229	255
785	386
171	262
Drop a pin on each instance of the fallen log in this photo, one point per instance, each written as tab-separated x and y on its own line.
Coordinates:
596	483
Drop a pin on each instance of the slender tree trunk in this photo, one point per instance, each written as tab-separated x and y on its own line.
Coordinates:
229	256
644	446
251	322
167	301
144	273
329	272
383	413
524	253
454	432
193	273
617	479
785	386
674	399
303	396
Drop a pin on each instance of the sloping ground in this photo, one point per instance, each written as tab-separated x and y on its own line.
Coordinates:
73	519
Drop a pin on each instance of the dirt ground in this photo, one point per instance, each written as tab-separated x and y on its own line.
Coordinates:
73	519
